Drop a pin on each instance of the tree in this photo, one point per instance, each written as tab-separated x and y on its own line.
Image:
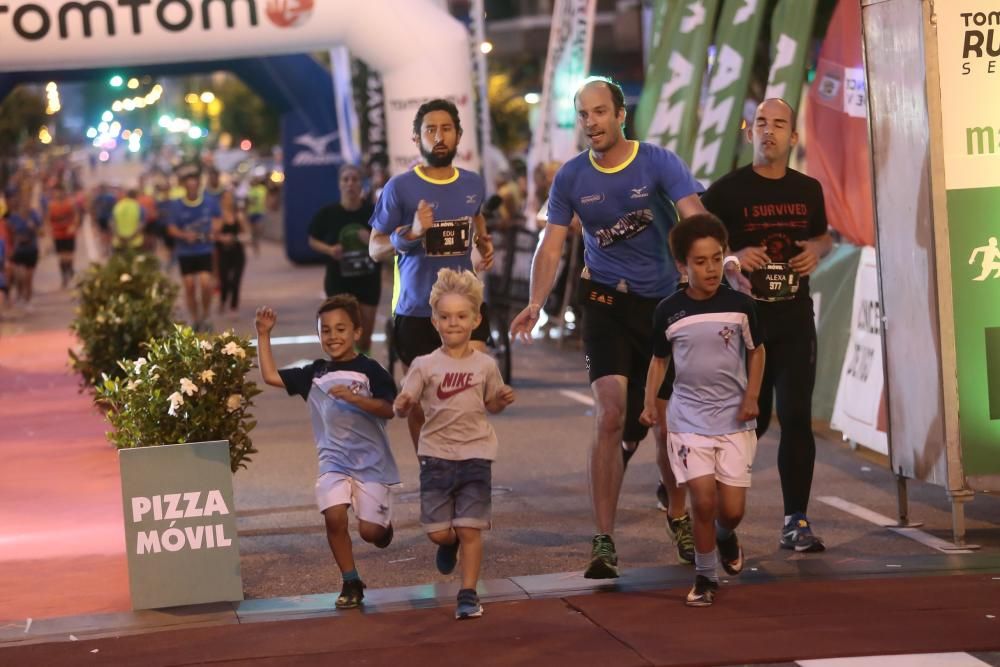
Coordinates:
22	114
246	116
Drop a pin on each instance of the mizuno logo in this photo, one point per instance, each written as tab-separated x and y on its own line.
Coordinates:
316	151
453	383
639	193
471	199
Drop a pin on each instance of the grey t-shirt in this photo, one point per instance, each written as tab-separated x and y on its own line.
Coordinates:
708	341
453	393
348	439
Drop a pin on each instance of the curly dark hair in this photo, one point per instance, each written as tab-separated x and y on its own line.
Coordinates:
345	302
689	230
436	105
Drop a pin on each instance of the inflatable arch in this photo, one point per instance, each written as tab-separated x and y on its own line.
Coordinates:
420	50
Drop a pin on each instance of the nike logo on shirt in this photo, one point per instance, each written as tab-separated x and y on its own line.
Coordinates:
454	383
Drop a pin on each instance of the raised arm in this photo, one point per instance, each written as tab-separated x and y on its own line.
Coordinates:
264	322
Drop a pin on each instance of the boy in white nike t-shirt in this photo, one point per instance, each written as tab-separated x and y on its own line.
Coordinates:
456	385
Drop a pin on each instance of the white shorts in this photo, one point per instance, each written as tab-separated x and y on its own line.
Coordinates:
370	500
729	458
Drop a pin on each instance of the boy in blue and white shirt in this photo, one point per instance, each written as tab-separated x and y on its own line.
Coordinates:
711	334
350	396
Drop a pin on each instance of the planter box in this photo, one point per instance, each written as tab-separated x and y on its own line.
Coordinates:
180	525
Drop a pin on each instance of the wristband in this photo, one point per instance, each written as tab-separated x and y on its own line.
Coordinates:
732	259
401	243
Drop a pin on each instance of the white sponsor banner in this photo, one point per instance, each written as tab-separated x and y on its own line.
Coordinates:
420	49
968	36
855	99
860	392
347	114
567	63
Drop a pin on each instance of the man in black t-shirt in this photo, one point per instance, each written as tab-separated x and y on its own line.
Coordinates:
777	226
341	232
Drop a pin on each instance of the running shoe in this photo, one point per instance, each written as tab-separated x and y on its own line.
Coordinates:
468	605
447	557
797	534
386	539
603	559
682	535
731	554
351	595
702	594
662	499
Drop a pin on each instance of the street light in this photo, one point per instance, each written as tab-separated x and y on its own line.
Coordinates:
486	47
208	97
532	98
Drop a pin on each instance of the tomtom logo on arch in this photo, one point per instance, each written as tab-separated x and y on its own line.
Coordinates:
33	22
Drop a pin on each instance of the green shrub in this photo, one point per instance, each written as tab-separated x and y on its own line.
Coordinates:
186	388
122	303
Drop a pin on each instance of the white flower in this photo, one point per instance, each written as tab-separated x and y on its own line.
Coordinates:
132	384
125	278
234	402
99	319
139	363
234	350
176	401
188	387
207	376
205	345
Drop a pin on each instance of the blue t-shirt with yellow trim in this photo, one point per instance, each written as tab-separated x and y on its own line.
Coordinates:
627	213
456	201
195	216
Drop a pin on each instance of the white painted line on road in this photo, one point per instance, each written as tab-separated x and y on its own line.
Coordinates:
305	340
914	534
577	396
911	660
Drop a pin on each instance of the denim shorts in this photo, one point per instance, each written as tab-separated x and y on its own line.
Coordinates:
455	493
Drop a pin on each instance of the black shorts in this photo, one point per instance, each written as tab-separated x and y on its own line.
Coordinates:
367	289
104	224
65	245
415	336
195	264
618	340
25	258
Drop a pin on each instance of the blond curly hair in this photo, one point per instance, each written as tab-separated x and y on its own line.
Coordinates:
462	283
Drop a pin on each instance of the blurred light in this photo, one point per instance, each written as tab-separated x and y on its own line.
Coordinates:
92	133
139	103
246	144
107	116
115	129
104	156
128	105
277	177
486	47
103	127
137	132
133	147
116	81
117	106
195	133
44	136
164	121
51	87
133	83
215	107
532	98
157	90
207	97
191	98
127	134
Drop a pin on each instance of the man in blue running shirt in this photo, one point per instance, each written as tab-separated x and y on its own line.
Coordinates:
430	217
627	194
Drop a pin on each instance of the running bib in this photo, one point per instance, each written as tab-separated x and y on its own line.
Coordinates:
774	282
448	237
355	261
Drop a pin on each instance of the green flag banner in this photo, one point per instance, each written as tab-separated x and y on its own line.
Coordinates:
722	113
664	11
675	84
791	28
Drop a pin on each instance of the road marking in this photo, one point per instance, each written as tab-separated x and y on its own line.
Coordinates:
913	660
306	340
881	520
577	396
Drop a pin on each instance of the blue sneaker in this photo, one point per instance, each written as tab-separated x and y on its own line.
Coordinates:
468	605
797	534
447	557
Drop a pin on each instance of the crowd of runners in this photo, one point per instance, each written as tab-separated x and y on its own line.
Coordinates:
697	322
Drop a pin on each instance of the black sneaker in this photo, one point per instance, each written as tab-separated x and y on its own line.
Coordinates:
797	534
386	538
662	499
447	557
603	559
468	604
351	595
702	594
680	532
731	554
